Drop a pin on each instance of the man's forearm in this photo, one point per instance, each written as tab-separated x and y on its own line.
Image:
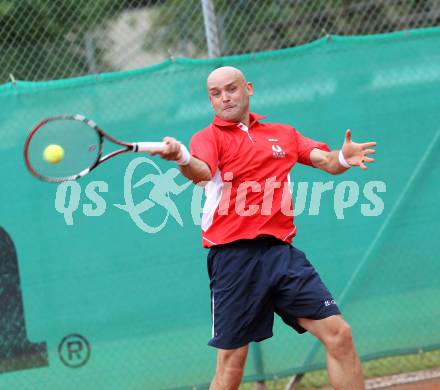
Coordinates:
328	161
197	171
334	165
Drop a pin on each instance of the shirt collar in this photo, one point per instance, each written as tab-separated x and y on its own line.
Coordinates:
252	119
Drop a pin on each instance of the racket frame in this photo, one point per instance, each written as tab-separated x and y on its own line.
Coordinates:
128	147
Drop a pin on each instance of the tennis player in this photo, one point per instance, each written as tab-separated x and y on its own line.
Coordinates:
247	223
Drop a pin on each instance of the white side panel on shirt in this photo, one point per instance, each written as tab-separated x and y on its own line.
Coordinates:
213	192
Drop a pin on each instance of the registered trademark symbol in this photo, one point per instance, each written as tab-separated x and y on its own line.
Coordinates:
74	350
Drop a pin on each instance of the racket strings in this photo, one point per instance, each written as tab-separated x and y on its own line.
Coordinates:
61	149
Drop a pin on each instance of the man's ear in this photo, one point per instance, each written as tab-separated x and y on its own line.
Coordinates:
250	89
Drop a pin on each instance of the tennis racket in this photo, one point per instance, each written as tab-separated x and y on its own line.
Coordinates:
79	144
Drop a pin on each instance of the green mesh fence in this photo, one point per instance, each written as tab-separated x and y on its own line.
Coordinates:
96	298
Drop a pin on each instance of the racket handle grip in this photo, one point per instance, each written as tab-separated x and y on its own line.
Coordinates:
149	146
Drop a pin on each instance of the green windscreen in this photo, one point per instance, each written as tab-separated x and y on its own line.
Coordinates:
103	282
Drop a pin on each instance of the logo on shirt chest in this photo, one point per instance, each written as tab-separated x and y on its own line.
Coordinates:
278	152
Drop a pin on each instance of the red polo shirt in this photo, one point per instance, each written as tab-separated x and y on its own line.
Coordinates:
249	194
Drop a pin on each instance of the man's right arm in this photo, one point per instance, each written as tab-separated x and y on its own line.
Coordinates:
196	170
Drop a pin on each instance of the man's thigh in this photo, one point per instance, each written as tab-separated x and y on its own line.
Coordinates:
325	328
300	292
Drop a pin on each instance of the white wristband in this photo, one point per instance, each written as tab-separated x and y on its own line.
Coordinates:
343	161
186	156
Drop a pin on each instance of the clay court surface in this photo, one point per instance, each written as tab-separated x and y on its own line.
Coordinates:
420	380
433	384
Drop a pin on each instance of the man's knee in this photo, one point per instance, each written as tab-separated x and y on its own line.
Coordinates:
232	358
339	339
230	365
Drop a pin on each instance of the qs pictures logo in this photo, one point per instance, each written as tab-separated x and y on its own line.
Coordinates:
146	188
161	190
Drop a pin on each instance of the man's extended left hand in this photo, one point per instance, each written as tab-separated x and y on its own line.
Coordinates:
357	154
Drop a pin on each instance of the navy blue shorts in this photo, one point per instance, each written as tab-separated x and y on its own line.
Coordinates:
251	280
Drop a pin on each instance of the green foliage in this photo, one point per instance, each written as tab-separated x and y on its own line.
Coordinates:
177	24
54	30
256	25
46	39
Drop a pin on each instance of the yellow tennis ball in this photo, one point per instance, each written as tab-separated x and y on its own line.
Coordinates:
53	154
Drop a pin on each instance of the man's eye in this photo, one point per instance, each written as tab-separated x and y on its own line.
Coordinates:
215	94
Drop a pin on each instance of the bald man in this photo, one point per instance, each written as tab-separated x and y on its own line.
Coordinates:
247	223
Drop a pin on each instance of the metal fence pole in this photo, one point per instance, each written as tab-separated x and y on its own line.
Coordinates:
90	53
211	31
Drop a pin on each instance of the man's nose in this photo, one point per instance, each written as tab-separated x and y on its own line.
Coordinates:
225	97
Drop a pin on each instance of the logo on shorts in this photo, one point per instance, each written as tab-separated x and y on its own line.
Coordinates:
330	302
